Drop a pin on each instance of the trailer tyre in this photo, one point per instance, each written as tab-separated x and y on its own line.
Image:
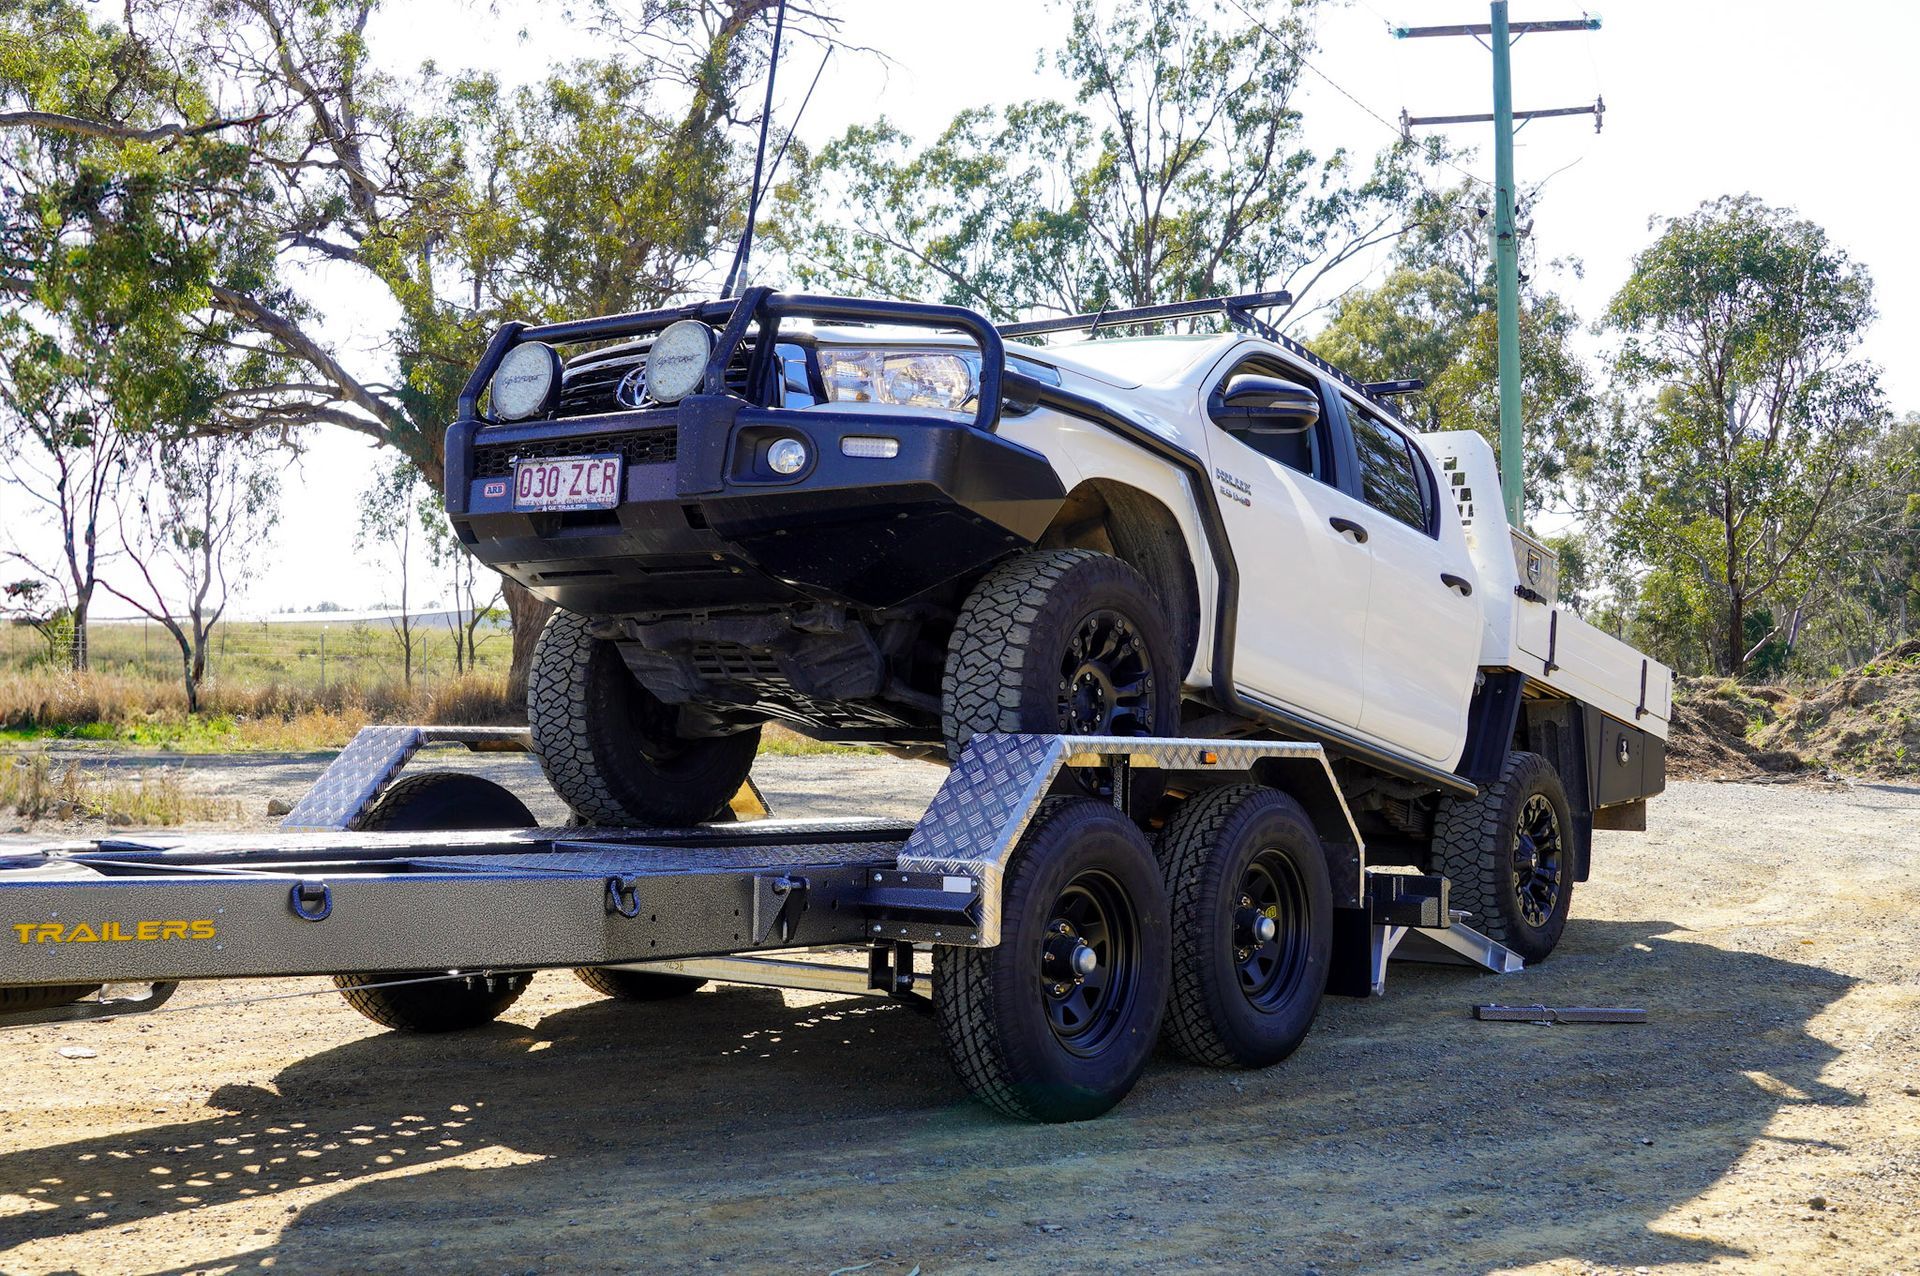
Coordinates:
42	997
637	985
1058	1021
1509	856
611	749
431	802
1252	916
1065	640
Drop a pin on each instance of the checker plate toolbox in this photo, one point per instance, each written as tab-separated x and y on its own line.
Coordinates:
318	896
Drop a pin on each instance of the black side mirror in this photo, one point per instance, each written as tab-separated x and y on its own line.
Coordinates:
1264	405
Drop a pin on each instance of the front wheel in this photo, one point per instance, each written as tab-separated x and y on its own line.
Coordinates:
1058	1021
611	749
1508	855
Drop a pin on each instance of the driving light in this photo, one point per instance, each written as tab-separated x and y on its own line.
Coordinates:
875	447
677	361
787	456
523	384
901	377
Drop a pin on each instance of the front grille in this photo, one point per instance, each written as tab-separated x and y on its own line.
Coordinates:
590	383
639	447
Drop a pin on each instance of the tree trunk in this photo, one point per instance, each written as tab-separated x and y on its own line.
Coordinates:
1736	633
82	602
529	616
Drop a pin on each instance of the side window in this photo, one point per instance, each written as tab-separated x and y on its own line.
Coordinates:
1307	451
1392	478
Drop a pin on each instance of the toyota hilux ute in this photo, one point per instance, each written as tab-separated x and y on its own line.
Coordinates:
899	525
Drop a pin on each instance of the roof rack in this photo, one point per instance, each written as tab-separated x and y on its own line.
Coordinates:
1237	310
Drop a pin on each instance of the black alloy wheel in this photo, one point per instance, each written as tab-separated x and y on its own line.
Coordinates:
1539	860
1106	678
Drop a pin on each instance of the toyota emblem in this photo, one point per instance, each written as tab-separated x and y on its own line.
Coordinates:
632	390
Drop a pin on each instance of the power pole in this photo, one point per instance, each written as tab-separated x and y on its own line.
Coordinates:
1506	245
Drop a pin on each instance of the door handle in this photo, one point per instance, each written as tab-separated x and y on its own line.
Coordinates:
1459	584
1348	525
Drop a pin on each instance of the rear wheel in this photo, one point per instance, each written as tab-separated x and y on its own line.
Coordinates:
1508	855
439	801
637	985
1252	916
1058	1021
1063	641
611	749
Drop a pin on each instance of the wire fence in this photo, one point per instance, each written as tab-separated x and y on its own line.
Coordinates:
304	653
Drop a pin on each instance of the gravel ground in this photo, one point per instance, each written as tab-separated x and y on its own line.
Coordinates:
1767	1118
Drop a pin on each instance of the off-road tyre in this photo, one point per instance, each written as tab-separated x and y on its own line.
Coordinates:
47	997
1477	844
637	985
439	801
1231	856
1007	662
1020	1048
610	748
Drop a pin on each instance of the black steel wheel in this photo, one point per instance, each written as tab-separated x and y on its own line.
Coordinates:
447	1001
1058	1021
1510	856
1252	916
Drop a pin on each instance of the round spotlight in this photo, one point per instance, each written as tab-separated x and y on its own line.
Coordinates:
525	380
787	456
677	362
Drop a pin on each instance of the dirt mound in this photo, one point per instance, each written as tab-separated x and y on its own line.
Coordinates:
1866	723
1720	731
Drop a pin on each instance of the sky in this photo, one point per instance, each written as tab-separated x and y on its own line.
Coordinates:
1803	106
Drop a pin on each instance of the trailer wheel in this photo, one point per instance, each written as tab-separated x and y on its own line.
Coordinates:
1252	915
1058	1022
1509	856
610	748
439	801
637	985
42	997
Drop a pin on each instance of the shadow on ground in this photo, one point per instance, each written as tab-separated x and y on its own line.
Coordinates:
728	1131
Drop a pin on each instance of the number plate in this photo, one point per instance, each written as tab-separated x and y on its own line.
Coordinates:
567	483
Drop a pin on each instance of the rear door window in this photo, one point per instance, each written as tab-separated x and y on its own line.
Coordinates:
1392	478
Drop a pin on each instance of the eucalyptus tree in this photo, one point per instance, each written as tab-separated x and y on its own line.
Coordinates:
278	140
1178	169
1433	316
1749	410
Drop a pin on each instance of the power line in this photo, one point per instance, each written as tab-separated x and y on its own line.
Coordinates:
1384	122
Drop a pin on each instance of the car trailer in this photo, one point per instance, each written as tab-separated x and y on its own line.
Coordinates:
1064	938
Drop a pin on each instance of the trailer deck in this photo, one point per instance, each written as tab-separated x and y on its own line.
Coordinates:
324	897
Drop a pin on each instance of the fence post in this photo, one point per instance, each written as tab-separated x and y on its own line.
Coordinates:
323	660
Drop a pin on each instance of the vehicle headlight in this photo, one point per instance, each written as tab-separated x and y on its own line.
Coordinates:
903	377
524	382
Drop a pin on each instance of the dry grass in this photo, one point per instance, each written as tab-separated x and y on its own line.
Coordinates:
34	787
128	708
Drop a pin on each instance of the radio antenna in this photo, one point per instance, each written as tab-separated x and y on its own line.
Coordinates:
737	272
